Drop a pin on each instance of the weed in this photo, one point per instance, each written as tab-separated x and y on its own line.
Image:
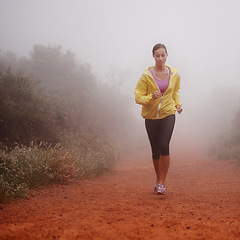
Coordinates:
24	168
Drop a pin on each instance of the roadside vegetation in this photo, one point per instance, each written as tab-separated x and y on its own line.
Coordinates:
57	121
226	143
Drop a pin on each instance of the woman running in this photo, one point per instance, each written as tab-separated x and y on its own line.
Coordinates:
158	92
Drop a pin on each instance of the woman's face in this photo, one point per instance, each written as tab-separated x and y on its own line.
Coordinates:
160	56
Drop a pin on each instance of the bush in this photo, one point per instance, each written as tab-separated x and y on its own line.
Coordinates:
26	114
24	168
225	146
54	99
93	155
238	153
31	167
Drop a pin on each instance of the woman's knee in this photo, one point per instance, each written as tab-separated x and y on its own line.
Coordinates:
164	150
155	156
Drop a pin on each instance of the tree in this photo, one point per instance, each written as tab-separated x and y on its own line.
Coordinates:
25	114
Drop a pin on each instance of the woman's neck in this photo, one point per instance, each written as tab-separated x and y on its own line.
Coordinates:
161	68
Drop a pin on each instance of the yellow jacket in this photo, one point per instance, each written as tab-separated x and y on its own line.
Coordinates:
163	106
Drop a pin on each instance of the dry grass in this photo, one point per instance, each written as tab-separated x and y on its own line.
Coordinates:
24	168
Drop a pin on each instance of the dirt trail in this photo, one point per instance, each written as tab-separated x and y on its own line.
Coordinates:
202	202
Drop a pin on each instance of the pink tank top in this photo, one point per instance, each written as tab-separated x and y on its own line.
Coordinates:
162	84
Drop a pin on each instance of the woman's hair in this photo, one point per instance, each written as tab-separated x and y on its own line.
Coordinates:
157	46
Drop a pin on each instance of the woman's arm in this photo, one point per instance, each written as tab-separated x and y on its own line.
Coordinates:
141	92
176	96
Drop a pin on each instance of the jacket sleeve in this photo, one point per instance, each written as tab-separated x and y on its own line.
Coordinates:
141	92
176	95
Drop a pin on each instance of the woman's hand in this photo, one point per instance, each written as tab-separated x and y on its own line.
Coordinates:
179	109
156	94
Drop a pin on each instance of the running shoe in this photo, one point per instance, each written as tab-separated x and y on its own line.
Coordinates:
156	188
159	189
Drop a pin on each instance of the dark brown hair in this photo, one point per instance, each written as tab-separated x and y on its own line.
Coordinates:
157	46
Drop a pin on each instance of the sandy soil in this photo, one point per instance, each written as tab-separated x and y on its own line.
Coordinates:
202	202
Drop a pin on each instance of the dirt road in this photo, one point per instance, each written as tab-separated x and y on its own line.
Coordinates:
202	202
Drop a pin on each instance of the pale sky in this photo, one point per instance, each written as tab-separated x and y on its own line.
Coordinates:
202	36
117	37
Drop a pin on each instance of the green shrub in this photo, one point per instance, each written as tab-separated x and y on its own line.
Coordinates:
237	151
26	113
11	177
24	168
31	167
224	147
93	155
55	99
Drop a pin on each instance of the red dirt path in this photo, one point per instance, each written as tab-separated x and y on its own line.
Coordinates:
202	202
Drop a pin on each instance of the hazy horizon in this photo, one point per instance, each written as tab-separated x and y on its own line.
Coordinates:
116	39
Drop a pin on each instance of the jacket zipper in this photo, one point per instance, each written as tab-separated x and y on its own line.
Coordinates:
159	106
169	85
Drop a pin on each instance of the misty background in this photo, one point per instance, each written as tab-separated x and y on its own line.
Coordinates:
115	39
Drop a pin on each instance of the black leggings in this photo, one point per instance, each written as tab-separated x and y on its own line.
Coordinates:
159	133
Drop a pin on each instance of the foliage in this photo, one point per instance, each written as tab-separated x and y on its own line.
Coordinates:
55	99
24	168
95	155
27	167
227	145
24	113
65	100
235	133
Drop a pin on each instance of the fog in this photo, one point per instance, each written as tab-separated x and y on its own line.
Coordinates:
116	39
